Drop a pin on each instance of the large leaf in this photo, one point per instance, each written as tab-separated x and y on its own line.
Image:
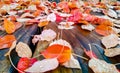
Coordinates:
43	66
61	52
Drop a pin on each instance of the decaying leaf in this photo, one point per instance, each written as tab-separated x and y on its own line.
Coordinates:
23	50
88	27
110	40
9	26
100	66
43	66
6	41
112	52
72	63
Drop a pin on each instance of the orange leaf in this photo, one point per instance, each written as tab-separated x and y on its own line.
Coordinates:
43	23
62	53
103	30
36	13
6	41
9	26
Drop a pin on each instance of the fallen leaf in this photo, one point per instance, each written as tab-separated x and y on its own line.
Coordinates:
6	41
88	27
100	66
72	63
90	54
11	48
112	52
23	50
23	64
61	52
103	30
9	26
43	23
43	66
110	40
46	35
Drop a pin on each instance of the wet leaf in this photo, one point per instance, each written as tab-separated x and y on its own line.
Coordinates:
43	66
23	50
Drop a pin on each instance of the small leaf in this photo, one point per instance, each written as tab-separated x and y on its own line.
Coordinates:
72	63
23	50
90	54
110	40
43	66
46	35
88	27
43	23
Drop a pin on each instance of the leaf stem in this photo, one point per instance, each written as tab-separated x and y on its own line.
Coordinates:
79	56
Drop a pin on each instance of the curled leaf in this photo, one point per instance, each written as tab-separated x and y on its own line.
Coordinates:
6	41
43	66
23	50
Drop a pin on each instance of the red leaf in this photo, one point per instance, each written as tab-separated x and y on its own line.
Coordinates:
23	64
90	54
